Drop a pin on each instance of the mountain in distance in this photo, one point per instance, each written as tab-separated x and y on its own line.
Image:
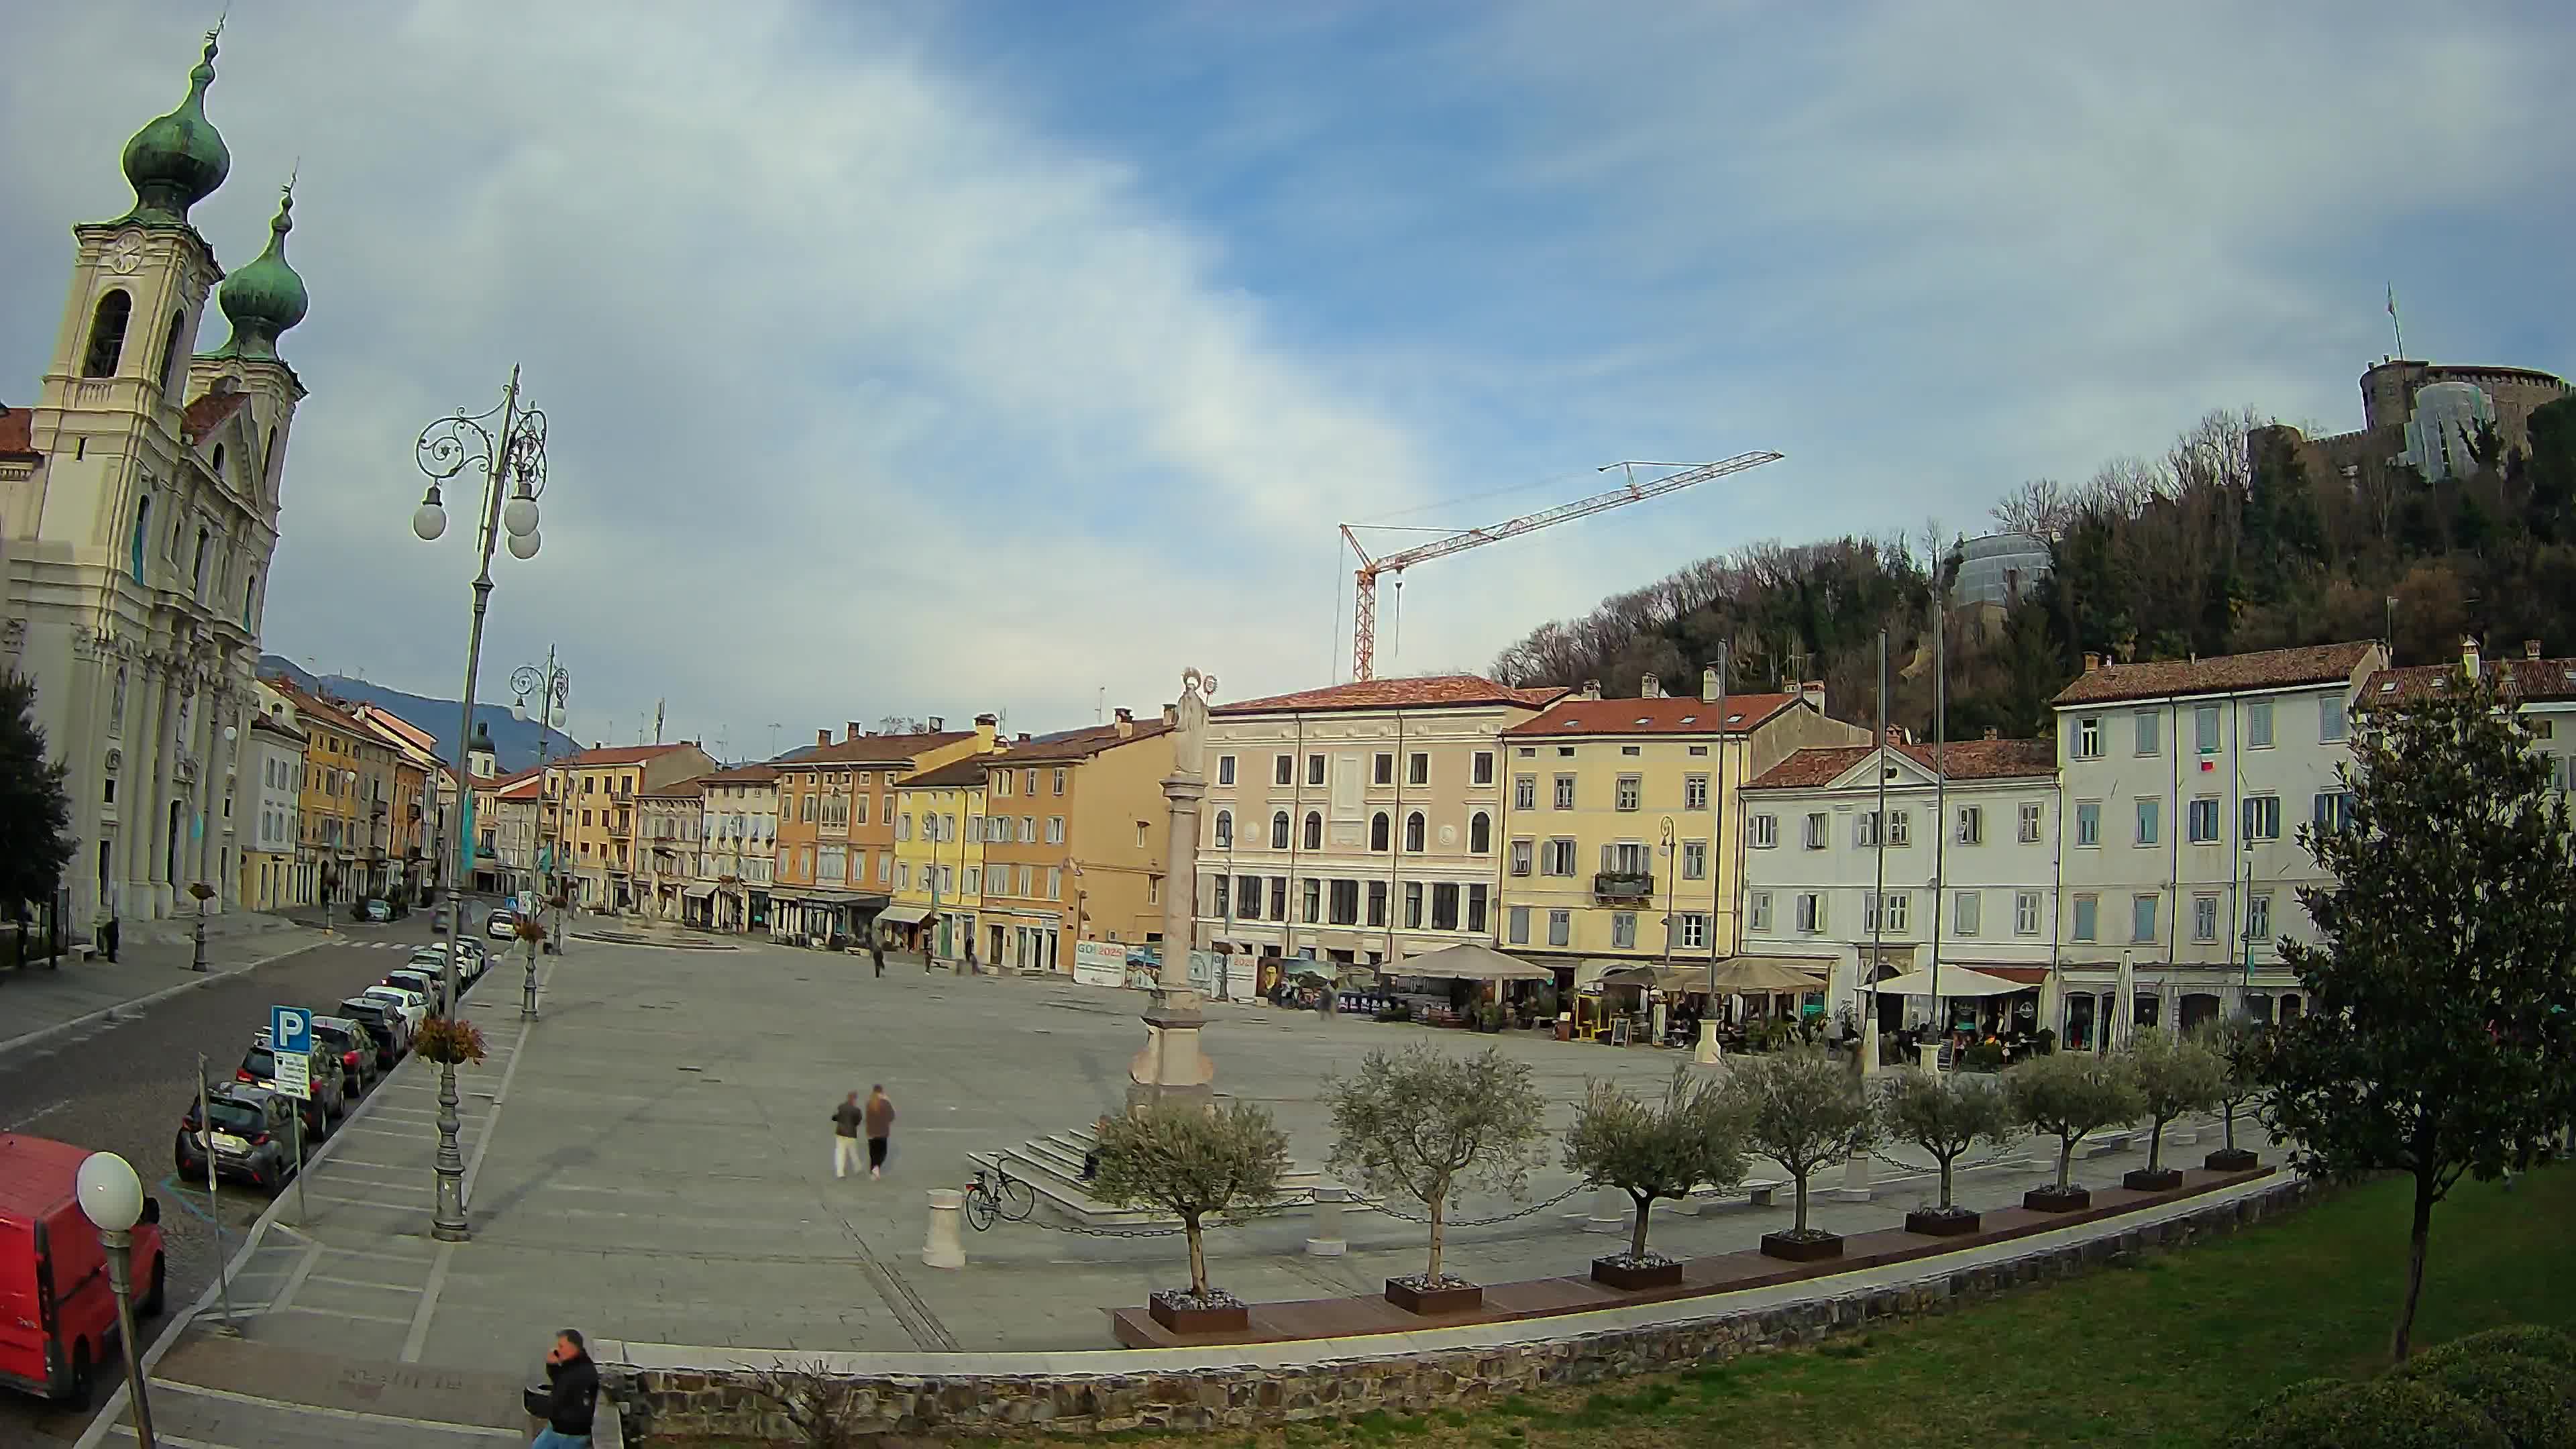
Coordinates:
514	740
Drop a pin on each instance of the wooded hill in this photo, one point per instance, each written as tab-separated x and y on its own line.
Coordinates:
2214	548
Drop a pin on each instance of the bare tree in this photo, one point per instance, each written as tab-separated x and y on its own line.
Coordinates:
1428	1125
822	1410
2040	507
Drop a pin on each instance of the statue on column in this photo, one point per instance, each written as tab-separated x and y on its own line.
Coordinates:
1189	734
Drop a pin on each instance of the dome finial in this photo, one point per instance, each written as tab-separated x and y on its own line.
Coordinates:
179	159
266	298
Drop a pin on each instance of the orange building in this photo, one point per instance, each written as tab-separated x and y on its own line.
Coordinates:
1075	829
834	870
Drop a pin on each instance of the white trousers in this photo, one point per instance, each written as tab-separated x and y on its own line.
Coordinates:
845	1156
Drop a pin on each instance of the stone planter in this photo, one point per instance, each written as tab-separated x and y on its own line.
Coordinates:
1627	1277
1454	1298
1802	1250
1934	1223
2162	1179
2231	1159
1182	1314
2051	1200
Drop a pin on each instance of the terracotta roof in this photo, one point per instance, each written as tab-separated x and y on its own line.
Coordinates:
2529	679
208	412
1967	760
619	755
1081	744
1428	692
690	788
17	433
1665	715
505	781
307	702
879	749
742	775
276	727
394	724
967	773
2222	674
522	787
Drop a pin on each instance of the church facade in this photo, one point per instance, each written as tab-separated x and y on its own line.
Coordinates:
139	501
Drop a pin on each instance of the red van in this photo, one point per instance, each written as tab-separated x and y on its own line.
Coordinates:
57	1314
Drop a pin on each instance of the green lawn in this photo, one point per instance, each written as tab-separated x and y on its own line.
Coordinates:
2167	1352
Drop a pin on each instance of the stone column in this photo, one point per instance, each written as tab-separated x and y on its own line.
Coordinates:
1171	1064
165	757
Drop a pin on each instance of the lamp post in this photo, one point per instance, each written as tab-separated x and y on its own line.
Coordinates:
507	445
552	687
111	1197
203	893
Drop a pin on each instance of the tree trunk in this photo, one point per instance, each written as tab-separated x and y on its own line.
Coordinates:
2065	1161
1637	1236
2417	1236
1439	1206
1802	1204
2227	1123
2156	1146
1198	1256
1946	1163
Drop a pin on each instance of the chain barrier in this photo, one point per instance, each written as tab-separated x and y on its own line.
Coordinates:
1377	1205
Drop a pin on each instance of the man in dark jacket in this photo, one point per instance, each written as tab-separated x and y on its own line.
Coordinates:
572	1392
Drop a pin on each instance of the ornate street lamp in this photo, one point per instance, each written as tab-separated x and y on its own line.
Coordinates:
553	688
507	445
111	1197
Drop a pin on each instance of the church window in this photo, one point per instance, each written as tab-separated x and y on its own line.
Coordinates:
107	334
219	462
142	531
170	352
250	591
205	538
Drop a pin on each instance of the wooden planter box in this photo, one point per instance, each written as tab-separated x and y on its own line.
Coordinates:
1459	1299
2231	1159
1234	1319
1801	1250
1935	1224
2050	1200
1612	1273
2163	1179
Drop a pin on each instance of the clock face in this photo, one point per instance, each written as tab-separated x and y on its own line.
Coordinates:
125	254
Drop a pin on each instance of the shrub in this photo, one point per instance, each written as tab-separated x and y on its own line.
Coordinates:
2531	1399
2530	1340
2383	1414
449	1041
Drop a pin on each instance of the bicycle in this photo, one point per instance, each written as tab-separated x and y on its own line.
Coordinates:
998	1195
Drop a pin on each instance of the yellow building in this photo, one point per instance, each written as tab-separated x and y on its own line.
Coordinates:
342	807
938	859
1076	831
1623	841
595	793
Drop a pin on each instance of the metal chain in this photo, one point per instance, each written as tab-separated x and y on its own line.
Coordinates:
1394	1212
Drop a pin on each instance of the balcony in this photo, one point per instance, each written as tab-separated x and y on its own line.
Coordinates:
620	830
1622	885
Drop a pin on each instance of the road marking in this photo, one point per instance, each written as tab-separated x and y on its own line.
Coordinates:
428	1306
354	1416
285	1297
399	1207
175	1441
45	1110
338	1313
365	1283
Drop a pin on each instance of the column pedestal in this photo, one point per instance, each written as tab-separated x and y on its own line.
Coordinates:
1172	1067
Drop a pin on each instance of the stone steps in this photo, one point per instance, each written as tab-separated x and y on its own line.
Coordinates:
1051	1167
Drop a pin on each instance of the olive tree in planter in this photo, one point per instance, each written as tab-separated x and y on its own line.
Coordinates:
1194	1164
2241	1043
1654	1150
1803	1110
2174	1075
1947	1114
1429	1126
2069	1096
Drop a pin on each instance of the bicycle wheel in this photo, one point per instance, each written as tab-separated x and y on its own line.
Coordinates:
1018	1200
979	1208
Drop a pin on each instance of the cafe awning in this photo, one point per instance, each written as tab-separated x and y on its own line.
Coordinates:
1760	975
701	892
1468	961
1670	979
1955	981
903	915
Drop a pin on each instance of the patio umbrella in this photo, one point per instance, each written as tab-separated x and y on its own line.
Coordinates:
1313	971
1756	975
1955	981
1468	961
1677	979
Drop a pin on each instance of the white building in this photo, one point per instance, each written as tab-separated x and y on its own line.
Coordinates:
738	835
2185	783
2543	690
272	808
140	498
1965	871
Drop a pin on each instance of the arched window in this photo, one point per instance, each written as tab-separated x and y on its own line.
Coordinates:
107	334
205	538
142	532
1279	830
219	462
1413	832
1378	831
1480	833
250	592
1314	830
1225	830
170	352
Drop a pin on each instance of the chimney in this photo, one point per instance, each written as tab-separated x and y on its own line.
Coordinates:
2092	662
1591	689
1993	734
2530	648
1708	685
822	737
1126	723
852	730
1896	734
987	727
938	723
2469	656
1650	687
1813	692
1024	737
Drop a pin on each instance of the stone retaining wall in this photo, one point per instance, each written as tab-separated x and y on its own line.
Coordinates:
717	1400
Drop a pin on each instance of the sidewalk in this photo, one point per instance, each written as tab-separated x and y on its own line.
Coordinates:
39	1003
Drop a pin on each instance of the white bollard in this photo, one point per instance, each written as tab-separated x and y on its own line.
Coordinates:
1709	1051
1611	1211
1855	1186
943	1248
1327	1241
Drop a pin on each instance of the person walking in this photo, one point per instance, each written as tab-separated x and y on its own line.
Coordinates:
876	953
879	1116
570	1397
845	1136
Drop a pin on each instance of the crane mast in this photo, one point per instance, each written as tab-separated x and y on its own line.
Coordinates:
1364	607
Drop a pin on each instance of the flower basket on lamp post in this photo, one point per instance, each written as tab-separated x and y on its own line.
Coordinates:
449	1041
203	893
533	932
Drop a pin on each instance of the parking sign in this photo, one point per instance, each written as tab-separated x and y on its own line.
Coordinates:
290	1028
295	1074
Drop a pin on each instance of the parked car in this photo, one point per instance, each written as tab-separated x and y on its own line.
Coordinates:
429	985
413	1005
385	1022
254	1140
58	1324
502	925
380	910
469	949
431	961
348	1039
326	1104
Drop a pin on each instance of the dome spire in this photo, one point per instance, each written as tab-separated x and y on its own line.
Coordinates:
179	159
266	298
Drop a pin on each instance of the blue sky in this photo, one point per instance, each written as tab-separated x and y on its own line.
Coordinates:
920	358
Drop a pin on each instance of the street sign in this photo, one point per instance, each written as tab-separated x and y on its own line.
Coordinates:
295	1074
290	1029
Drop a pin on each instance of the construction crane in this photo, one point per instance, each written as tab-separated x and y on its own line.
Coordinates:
1364	608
